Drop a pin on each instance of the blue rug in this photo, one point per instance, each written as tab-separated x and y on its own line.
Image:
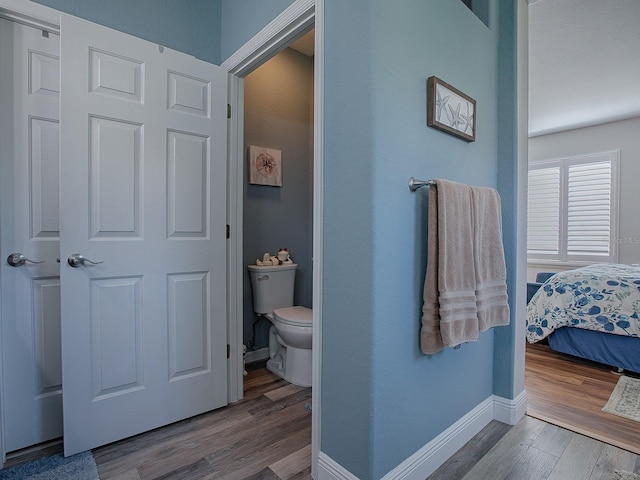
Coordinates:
77	467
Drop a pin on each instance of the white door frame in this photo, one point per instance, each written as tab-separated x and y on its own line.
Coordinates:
291	24
522	91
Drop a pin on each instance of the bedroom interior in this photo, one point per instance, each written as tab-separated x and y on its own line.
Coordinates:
572	117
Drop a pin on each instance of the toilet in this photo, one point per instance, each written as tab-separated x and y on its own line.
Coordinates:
290	335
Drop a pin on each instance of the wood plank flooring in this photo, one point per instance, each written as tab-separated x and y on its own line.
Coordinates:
565	435
570	392
535	450
266	436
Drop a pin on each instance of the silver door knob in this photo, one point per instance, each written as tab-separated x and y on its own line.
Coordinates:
78	260
18	259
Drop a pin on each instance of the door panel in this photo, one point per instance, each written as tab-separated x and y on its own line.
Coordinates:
29	166
143	190
114	178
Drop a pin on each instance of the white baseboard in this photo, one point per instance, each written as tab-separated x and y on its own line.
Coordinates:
328	469
256	355
510	411
427	460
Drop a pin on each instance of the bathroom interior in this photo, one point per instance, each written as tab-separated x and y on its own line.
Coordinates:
278	115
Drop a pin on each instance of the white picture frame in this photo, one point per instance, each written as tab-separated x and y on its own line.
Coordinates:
265	166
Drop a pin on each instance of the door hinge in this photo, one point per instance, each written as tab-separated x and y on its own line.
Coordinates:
228	351
228	231
228	110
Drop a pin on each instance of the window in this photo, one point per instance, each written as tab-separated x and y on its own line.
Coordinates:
572	209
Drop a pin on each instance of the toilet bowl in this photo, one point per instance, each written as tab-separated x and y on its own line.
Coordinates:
290	335
290	339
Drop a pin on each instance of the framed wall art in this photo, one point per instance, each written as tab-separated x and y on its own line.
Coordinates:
265	166
450	110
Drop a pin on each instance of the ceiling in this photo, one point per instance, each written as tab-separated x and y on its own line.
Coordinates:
305	44
584	63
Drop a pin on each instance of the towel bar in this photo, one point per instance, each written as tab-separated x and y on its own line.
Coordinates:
415	184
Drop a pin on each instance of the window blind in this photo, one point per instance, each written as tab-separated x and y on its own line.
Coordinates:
543	211
589	209
571	209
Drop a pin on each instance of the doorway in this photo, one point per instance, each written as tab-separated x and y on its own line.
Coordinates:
300	17
278	117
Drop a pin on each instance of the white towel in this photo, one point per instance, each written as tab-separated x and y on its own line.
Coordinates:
455	282
465	282
430	338
490	268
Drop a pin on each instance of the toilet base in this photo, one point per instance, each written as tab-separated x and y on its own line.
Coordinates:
289	363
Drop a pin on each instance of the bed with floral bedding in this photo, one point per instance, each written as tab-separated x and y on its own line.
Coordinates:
591	312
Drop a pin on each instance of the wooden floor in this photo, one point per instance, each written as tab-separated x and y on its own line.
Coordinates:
565	435
570	393
266	436
535	450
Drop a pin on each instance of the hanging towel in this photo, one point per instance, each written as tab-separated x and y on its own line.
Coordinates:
488	253
430	338
465	282
455	303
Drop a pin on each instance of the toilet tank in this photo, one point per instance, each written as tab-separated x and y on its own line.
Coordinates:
272	286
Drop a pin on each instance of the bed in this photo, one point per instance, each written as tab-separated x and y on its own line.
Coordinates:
591	312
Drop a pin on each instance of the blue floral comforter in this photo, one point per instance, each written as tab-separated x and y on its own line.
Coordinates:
602	297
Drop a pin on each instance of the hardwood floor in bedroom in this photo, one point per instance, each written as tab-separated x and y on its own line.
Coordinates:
570	392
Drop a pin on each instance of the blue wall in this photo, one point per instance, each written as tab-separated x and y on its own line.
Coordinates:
505	384
241	20
278	100
189	26
348	292
375	382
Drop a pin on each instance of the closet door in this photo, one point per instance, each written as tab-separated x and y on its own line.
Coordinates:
143	235
31	363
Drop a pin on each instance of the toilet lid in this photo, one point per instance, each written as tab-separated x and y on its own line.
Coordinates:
298	316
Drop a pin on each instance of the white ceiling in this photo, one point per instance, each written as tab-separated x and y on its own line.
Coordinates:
584	63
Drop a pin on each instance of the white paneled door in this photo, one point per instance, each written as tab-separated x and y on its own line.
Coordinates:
143	195
32	374
126	186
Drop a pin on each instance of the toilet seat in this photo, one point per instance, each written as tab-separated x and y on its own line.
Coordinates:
294	316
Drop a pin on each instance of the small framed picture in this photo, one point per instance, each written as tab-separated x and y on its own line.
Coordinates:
265	166
450	110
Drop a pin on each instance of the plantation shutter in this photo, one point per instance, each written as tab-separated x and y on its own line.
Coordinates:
571	209
589	209
543	212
